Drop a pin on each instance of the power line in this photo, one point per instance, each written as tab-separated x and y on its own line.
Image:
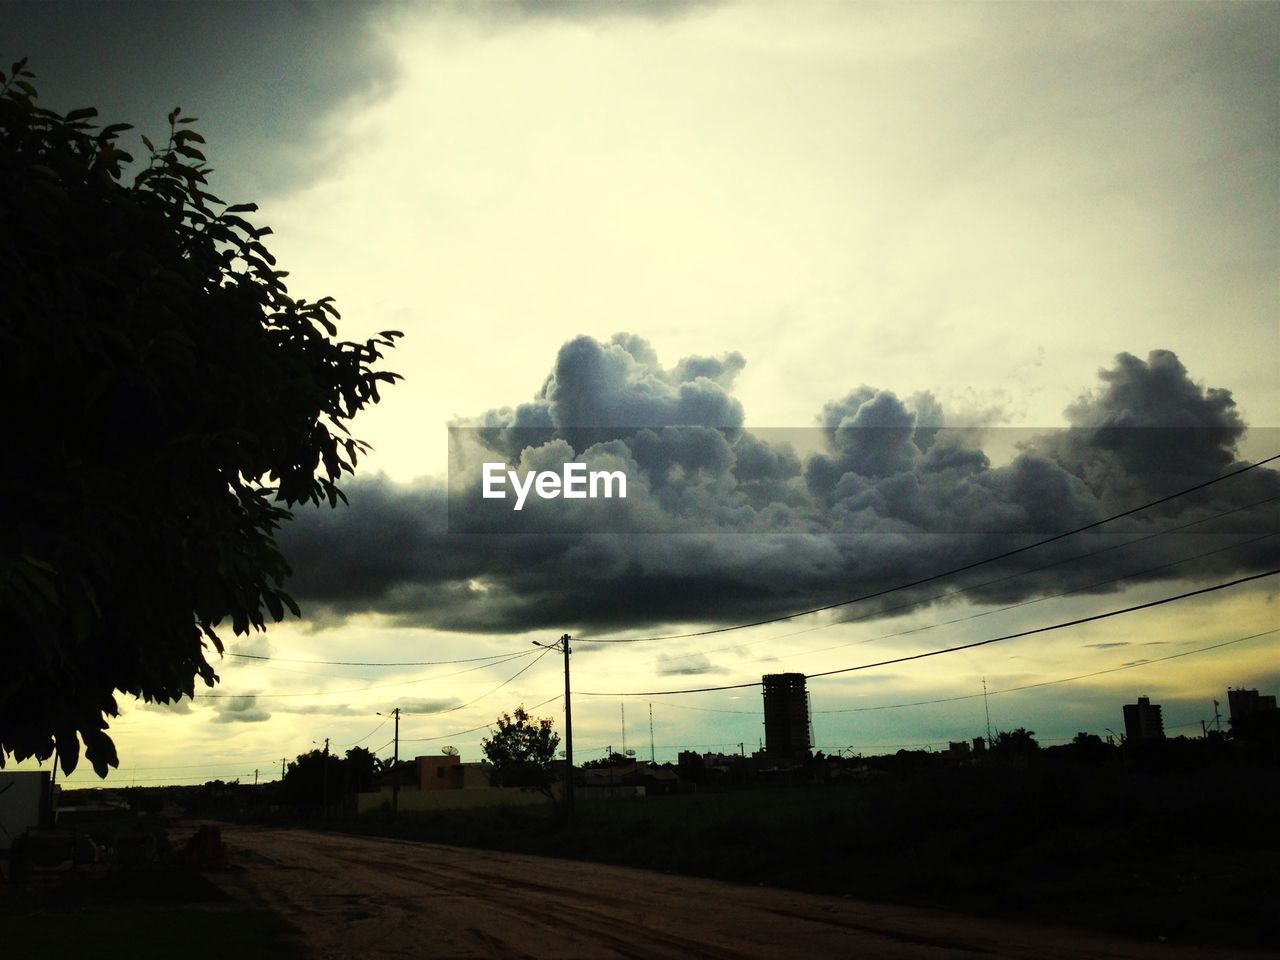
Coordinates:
974	696
483	726
1055	626
123	775
948	594
963	646
1049	683
377	686
364	738
425	713
368	663
1026	603
945	573
188	766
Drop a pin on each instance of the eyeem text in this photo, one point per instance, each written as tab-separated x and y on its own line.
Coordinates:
573	483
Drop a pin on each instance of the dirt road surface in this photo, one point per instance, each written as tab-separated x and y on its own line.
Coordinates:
373	898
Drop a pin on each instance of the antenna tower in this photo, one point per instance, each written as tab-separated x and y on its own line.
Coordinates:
653	756
986	706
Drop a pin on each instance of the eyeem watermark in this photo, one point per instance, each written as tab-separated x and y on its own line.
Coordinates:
573	483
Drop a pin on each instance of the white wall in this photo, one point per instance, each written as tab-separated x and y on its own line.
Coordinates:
20	796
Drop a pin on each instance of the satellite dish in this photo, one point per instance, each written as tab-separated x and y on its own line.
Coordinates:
631	753
449	751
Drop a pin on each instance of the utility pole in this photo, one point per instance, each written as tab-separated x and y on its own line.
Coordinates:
623	708
51	812
324	790
395	763
568	735
563	645
255	777
395	767
282	769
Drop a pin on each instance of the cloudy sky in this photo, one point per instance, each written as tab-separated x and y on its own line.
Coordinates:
855	293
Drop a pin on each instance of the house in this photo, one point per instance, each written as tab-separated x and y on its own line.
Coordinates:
441	782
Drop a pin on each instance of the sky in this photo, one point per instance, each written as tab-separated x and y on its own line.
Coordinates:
856	293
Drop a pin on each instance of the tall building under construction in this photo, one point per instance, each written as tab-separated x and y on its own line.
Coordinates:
786	717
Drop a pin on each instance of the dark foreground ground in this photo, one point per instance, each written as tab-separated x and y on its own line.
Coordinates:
157	913
1042	859
1158	856
377	898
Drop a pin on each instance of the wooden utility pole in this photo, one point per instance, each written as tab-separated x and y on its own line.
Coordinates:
987	707
50	812
568	735
395	766
324	791
563	645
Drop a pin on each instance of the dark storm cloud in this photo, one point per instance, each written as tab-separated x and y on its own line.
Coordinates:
173	706
884	501
259	76
686	665
318	709
436	705
239	710
509	12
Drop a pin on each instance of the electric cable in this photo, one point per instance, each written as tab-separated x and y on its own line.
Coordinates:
953	649
376	686
941	575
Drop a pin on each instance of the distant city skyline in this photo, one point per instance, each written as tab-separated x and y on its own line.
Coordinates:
1042	219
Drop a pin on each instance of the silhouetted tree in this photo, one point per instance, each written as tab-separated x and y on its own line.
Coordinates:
1017	744
306	785
168	400
1258	734
609	761
1089	748
361	768
521	752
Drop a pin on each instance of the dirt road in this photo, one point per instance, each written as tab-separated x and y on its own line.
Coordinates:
373	899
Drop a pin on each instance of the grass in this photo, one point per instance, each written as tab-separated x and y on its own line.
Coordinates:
1188	857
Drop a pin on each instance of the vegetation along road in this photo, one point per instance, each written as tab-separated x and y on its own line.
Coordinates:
374	898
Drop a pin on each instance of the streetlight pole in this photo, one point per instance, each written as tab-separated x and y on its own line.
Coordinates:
395	764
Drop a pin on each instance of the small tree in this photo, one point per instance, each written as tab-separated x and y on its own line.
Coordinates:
1089	748
314	780
521	752
1017	744
169	402
360	769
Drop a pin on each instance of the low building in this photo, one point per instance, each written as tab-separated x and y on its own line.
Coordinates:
441	782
